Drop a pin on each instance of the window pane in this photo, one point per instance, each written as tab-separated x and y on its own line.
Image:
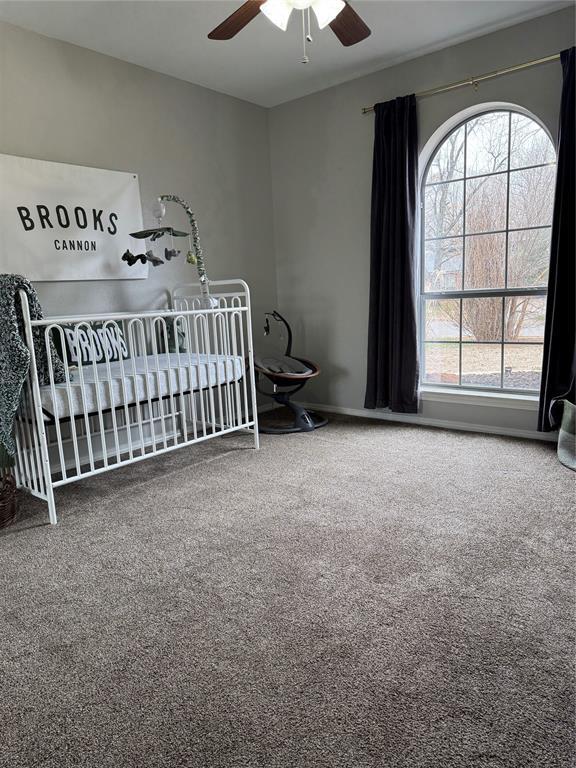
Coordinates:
481	364
522	366
485	261
442	320
531	197
530	144
524	318
441	363
482	319
487	149
448	163
528	258
488	200
443	209
486	203
443	265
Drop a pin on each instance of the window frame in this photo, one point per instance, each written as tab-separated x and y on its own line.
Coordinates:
440	137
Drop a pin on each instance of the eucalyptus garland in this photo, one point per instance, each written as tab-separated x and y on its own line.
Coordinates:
194	256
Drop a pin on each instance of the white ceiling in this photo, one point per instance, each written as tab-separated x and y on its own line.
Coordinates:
262	64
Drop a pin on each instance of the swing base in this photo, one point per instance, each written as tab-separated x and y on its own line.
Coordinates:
302	421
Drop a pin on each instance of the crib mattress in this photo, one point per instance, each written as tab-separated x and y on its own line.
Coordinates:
143	377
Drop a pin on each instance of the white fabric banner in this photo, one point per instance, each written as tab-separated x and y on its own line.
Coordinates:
68	222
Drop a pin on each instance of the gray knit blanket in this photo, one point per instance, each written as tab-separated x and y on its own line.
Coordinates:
15	357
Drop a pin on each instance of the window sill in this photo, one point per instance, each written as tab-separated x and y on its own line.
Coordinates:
524	402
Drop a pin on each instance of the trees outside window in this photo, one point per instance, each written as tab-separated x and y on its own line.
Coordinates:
487	198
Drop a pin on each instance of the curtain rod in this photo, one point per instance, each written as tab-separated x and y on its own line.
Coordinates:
474	80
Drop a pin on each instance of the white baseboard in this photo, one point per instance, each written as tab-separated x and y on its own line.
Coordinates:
413	418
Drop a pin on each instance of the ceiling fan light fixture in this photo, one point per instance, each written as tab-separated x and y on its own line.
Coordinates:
278	11
327	10
346	24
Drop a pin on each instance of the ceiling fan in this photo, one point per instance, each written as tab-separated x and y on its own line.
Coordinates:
342	18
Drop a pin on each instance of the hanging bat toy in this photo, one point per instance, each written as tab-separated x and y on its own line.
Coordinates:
149	257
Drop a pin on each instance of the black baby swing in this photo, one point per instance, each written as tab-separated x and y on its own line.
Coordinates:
287	374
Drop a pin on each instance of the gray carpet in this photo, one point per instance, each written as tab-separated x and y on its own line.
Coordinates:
369	595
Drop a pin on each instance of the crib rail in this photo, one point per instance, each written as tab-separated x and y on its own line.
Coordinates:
135	385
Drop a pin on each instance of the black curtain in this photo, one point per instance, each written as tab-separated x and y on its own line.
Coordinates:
392	379
558	367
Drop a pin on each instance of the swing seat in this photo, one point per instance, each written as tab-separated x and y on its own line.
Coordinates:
283	365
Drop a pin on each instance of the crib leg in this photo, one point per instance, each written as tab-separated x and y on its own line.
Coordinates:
52	506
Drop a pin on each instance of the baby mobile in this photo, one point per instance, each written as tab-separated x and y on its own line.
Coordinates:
194	256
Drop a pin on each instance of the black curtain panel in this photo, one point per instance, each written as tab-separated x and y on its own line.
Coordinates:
558	367
392	380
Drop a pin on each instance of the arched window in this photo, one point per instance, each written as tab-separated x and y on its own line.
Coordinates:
487	198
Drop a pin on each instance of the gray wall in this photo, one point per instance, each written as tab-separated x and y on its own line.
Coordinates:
68	104
321	169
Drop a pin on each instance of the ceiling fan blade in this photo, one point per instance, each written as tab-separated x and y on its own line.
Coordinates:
237	21
349	27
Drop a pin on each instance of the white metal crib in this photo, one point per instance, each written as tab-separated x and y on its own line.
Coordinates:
183	376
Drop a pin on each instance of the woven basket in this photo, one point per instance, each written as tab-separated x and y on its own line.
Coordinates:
8	505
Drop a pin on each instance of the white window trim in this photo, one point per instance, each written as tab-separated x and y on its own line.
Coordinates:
431	392
518	401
